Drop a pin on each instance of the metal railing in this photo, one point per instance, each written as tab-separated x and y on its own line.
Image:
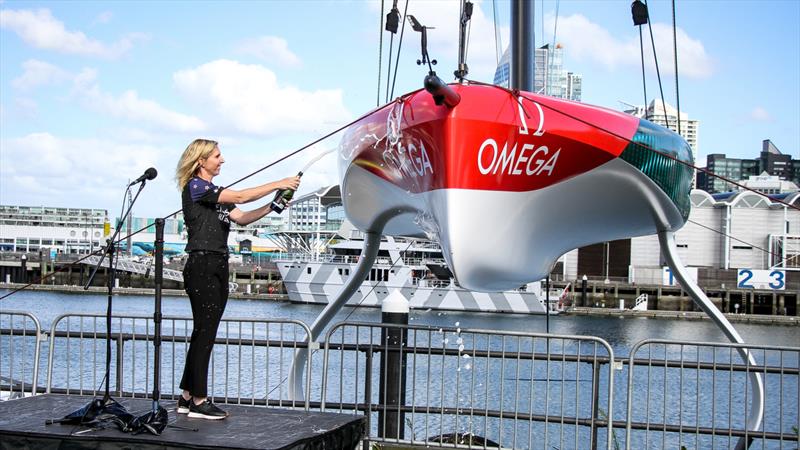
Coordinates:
249	364
697	395
20	338
474	387
448	387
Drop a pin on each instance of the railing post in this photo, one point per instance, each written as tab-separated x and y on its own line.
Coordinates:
391	420
368	392
120	343
595	402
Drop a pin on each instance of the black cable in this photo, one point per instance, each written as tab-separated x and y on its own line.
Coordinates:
658	72
389	68
496	44
675	48
644	81
279	160
380	55
399	47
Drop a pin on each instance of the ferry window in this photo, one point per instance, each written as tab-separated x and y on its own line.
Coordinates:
308	270
347	271
340	271
385	275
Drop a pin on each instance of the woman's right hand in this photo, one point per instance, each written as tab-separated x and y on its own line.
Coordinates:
289	183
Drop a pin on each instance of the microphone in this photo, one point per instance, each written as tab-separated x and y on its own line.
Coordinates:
148	174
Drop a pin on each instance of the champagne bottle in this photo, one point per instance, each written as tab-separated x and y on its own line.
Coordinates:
282	198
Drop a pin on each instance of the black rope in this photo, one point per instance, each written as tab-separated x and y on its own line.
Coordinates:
658	72
389	68
399	47
675	51
496	43
644	80
277	161
380	55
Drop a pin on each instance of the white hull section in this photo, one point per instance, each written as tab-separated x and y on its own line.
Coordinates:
522	234
321	282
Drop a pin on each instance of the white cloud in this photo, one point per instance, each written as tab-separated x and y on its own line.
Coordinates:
67	160
586	40
41	30
271	49
129	105
39	73
249	99
90	172
760	114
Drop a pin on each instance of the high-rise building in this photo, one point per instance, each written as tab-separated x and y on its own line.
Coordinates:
550	78
770	162
666	115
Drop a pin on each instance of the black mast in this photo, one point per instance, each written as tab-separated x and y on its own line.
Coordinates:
523	46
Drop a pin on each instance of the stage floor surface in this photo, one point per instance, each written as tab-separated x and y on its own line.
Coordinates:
22	425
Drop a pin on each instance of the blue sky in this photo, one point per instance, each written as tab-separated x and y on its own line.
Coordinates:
92	93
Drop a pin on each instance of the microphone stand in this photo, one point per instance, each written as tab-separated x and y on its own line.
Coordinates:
157	419
106	408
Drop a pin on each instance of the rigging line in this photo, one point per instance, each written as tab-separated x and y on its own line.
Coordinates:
277	161
555	31
644	80
658	72
496	43
399	47
675	52
555	27
640	144
380	55
466	46
389	68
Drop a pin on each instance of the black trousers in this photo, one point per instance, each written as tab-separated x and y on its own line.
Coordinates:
205	278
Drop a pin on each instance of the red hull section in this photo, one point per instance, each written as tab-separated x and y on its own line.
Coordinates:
490	141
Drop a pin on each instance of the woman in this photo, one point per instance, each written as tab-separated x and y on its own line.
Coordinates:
208	211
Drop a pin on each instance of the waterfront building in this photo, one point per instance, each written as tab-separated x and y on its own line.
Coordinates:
667	116
770	162
63	230
312	222
321	209
769	184
550	77
725	232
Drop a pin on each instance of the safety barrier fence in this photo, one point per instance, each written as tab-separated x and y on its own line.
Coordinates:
699	395
446	387
20	335
249	364
418	385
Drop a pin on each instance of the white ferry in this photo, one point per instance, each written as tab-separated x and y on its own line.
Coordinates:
415	267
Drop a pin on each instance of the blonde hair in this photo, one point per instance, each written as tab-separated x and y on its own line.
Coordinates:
190	159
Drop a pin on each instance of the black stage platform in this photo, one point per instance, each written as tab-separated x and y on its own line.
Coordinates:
22	425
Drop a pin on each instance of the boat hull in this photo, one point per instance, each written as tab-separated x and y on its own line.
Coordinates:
321	282
506	186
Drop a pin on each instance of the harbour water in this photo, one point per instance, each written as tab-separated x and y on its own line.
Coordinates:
620	333
524	386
